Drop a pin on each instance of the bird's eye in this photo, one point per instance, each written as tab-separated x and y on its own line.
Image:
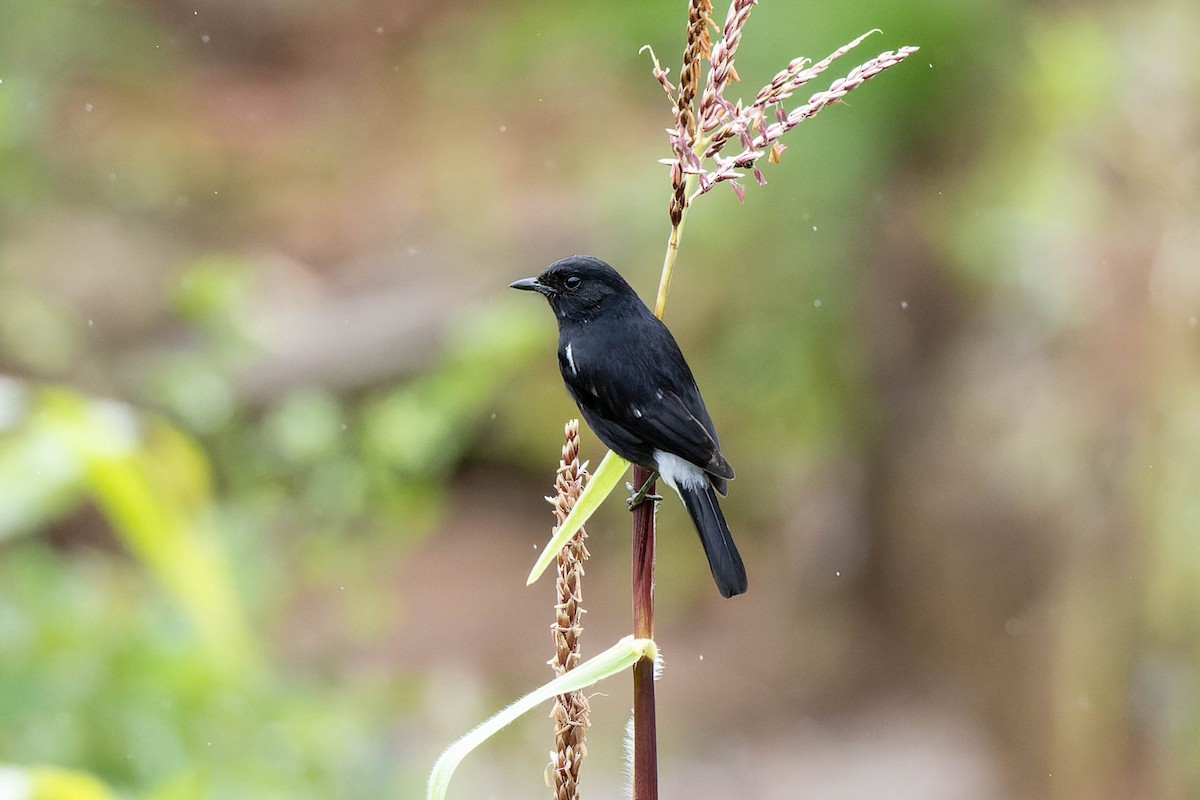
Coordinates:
573	281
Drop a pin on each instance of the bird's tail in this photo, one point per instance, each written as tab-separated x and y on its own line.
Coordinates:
723	557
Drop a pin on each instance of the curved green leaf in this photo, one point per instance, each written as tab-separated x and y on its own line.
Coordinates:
606	477
618	658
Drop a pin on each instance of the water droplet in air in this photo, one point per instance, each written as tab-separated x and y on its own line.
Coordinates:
504	129
904	304
88	106
205	38
816	303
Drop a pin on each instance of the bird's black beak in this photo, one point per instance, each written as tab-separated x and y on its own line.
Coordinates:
530	285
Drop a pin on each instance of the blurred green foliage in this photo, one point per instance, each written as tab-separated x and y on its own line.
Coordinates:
951	348
151	485
48	783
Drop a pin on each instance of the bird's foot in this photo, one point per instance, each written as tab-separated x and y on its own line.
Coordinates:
643	494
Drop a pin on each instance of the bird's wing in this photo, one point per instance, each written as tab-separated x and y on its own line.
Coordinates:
636	408
685	429
694	403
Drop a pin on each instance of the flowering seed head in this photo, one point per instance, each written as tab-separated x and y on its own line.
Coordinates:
570	713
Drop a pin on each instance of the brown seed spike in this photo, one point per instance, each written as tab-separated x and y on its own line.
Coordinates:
570	713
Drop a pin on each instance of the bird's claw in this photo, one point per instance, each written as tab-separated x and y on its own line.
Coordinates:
634	502
643	494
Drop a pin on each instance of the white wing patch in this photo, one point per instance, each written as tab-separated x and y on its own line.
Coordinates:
571	360
637	412
677	472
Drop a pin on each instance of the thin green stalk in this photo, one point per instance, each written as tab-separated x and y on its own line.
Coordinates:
664	281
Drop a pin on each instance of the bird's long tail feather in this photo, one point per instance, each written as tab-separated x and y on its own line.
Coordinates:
723	557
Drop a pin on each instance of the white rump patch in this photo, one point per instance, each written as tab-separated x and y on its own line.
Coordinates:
677	472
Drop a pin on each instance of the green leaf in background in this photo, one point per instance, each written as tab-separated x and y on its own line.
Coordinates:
39	479
148	479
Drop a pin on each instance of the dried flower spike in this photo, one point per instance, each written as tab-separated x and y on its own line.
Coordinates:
570	713
703	130
764	137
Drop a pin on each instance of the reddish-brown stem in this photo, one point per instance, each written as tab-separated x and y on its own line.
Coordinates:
645	747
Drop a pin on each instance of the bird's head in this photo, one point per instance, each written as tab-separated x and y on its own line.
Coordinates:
578	285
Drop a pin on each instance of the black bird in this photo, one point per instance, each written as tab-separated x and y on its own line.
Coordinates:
635	390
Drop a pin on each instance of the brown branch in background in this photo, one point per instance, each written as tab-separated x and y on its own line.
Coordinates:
645	736
570	712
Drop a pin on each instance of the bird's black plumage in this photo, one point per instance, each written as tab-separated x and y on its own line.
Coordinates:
627	375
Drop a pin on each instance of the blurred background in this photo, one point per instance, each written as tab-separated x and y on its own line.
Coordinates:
275	436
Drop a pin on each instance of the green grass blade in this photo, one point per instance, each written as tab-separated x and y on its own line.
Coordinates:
618	658
600	485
